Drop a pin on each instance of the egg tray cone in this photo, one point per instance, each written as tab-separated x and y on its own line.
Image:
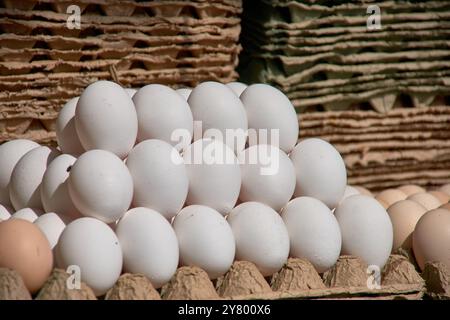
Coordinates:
296	280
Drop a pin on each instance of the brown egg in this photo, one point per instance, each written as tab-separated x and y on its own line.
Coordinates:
441	196
431	238
404	215
410	189
391	196
445	188
24	248
364	191
427	200
384	204
445	206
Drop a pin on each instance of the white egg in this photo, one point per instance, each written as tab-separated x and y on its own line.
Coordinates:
205	240
131	92
26	178
10	154
161	111
149	245
66	134
100	185
52	226
320	171
269	109
237	87
366	229
349	191
29	214
5	212
105	118
261	236
184	92
159	176
214	175
55	191
313	232
92	246
220	112
268	176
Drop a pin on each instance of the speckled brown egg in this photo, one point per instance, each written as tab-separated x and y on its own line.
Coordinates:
24	248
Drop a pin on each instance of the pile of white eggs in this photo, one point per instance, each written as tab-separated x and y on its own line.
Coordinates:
131	188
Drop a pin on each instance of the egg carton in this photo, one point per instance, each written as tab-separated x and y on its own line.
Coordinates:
93	19
298	279
28	27
132	61
287	18
130	8
172	51
119	40
175	77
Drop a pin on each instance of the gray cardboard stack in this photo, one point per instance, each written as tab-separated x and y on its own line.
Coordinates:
43	63
322	55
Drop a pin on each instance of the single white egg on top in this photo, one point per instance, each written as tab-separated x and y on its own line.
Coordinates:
161	112
149	245
261	236
100	185
272	115
159	176
52	226
105	118
268	176
205	240
320	171
66	133
93	247
10	154
29	214
366	229
184	92
214	175
26	178
55	191
220	113
313	231
5	212
237	87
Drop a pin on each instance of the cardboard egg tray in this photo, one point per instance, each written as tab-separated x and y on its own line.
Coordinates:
43	63
322	54
403	146
347	279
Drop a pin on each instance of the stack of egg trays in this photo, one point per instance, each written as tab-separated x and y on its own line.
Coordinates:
322	55
43	63
386	150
